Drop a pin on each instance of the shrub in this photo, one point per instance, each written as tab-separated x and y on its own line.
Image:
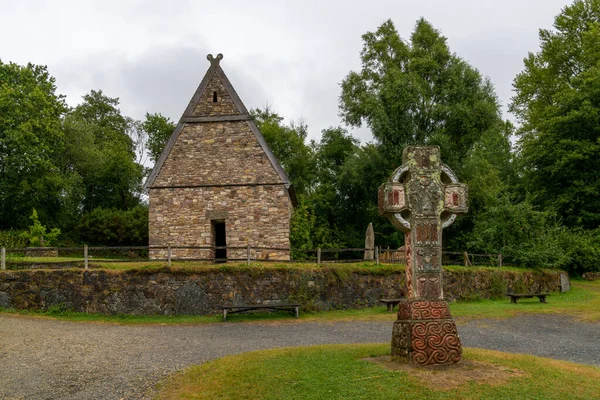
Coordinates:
535	239
12	239
580	250
111	227
37	235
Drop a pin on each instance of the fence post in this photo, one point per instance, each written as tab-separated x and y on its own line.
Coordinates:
466	259
85	256
248	255
319	256
500	259
169	255
376	255
3	261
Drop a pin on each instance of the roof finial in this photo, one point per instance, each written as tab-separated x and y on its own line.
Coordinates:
214	60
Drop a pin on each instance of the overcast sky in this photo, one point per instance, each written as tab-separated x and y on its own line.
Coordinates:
290	54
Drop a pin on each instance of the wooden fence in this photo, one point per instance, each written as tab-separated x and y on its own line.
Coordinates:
248	254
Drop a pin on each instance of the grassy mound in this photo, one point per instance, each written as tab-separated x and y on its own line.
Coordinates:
362	372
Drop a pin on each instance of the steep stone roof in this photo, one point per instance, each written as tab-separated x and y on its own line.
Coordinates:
203	108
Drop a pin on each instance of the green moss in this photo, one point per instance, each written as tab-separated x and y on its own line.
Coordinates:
498	286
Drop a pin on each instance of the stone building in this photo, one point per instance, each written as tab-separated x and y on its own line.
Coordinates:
217	183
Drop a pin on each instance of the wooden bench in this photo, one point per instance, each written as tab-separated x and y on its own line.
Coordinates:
514	296
237	308
391	303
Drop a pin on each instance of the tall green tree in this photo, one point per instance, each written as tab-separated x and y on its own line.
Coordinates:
557	102
333	226
31	143
418	92
489	171
288	143
101	151
159	129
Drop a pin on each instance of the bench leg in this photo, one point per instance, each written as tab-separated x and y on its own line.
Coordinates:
542	299
224	314
296	312
513	300
390	307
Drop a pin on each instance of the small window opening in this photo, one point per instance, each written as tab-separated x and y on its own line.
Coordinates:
214	97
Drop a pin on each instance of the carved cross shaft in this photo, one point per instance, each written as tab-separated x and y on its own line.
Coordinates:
421	198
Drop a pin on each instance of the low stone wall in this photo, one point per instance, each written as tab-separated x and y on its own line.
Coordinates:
41	252
203	291
591	276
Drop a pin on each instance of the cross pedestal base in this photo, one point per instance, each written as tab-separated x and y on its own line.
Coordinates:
425	333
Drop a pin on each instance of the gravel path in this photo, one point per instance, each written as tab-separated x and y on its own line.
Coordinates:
49	359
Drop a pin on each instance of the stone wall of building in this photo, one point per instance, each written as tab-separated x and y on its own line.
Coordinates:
204	291
217	171
216	153
258	216
230	179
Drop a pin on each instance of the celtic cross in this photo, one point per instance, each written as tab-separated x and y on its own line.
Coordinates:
421	198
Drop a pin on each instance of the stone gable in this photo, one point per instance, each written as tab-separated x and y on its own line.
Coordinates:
215	90
217	153
217	180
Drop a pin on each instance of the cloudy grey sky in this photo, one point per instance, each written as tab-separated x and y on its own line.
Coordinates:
290	54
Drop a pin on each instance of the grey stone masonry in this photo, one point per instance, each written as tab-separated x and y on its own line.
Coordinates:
218	169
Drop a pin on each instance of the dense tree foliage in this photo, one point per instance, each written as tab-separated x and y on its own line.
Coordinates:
110	175
158	129
62	162
113	227
288	143
418	92
557	102
31	145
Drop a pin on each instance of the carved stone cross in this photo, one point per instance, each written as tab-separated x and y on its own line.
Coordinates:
421	198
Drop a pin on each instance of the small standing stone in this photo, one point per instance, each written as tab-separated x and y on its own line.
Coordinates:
565	285
369	243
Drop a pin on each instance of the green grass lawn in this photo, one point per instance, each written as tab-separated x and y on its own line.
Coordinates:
116	263
342	372
581	302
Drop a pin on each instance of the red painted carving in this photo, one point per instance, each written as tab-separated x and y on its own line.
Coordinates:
435	342
455	199
430	310
433	233
427	232
422	234
409	285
